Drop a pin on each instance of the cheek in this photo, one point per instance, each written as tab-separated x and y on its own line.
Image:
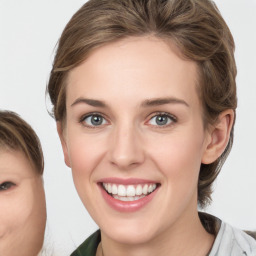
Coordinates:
15	211
179	160
23	211
36	221
24	221
85	153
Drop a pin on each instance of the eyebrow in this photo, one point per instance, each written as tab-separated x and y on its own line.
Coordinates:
163	101
145	103
91	102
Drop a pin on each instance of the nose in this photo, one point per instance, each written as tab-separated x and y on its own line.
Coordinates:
126	148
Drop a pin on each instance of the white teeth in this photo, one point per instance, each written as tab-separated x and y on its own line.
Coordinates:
130	192
145	189
121	190
139	190
129	198
109	188
114	189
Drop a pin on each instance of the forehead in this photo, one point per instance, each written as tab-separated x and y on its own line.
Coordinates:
14	162
145	66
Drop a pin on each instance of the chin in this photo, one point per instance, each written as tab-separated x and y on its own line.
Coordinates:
129	233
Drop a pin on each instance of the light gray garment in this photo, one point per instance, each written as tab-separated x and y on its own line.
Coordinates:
233	242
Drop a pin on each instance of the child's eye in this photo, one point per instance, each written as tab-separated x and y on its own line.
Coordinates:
94	120
162	120
6	185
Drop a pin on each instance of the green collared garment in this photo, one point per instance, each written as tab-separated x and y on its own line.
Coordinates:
89	246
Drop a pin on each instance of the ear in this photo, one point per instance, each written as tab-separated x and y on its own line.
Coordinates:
63	143
219	135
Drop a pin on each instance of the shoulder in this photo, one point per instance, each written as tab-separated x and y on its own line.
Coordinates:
89	246
234	242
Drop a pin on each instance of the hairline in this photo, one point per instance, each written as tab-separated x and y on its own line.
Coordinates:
169	40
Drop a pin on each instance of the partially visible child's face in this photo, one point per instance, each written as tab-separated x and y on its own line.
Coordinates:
22	206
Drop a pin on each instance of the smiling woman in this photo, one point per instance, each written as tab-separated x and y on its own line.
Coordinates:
22	199
144	96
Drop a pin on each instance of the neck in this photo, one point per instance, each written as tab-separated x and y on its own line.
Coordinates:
186	237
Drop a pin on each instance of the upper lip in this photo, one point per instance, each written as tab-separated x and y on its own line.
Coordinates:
129	181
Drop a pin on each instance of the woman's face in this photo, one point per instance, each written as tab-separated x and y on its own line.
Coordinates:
22	202
134	127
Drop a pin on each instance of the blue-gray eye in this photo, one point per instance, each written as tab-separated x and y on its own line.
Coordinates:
94	120
161	120
6	185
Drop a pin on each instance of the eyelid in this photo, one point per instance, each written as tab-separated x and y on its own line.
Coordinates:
6	183
83	117
173	118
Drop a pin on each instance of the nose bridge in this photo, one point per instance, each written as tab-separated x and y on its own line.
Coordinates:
126	149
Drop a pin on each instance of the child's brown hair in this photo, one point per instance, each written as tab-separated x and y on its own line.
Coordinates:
16	134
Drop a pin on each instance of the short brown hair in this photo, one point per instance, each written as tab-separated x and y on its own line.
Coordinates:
195	26
16	134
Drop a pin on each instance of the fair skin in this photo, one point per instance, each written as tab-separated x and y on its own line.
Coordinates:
22	200
134	118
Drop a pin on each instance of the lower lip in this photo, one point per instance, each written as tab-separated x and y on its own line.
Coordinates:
127	206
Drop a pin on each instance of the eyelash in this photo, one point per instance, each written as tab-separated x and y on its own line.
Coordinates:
6	185
171	121
90	115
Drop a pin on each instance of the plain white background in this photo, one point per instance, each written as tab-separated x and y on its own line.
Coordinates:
29	31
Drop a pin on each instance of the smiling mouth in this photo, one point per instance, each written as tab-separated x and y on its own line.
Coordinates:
129	192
